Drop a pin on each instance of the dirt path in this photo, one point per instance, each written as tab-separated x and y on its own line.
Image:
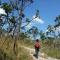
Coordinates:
41	56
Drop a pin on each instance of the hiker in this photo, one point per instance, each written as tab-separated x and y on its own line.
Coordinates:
37	47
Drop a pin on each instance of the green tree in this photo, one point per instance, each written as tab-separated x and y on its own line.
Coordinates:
42	35
34	31
57	21
7	8
50	29
20	5
15	6
57	24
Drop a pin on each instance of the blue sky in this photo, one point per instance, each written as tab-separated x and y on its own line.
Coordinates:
49	9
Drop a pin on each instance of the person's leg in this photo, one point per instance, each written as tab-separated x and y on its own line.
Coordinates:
37	52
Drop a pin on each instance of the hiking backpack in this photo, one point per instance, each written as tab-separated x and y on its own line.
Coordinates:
37	45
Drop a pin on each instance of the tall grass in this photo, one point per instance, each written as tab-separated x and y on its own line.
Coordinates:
51	49
27	43
25	55
7	52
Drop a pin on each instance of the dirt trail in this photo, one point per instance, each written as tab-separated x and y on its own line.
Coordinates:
41	56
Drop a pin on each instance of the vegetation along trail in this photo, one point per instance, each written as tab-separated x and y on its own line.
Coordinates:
41	56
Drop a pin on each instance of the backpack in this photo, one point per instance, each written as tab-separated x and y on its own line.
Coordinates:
37	45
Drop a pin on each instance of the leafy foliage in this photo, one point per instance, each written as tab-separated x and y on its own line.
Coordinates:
12	20
42	35
7	8
57	21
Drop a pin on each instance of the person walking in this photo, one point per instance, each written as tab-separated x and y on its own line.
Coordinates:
37	47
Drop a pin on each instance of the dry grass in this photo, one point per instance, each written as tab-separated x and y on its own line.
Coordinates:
6	46
51	51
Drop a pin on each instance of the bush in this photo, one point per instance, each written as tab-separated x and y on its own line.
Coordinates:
4	56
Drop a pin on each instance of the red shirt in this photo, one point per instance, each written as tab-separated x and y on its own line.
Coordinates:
37	45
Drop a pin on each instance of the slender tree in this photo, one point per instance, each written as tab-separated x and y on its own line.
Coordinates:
57	21
7	8
20	5
50	30
34	31
42	35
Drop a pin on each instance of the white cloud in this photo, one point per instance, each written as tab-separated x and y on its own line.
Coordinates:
35	20
33	17
38	20
2	11
46	31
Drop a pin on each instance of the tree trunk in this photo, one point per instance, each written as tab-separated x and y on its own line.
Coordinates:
15	46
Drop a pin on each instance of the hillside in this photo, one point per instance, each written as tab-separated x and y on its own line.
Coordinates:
24	50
